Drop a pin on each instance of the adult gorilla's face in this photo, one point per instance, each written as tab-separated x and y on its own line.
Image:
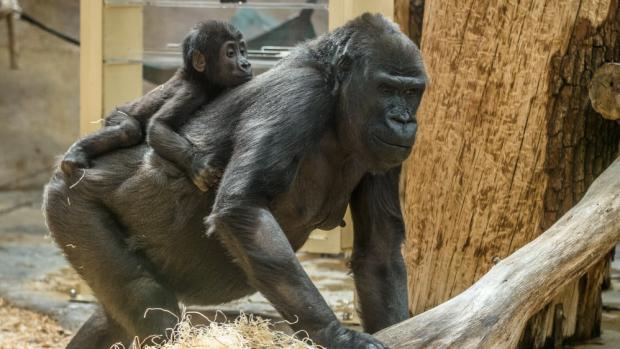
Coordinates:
381	97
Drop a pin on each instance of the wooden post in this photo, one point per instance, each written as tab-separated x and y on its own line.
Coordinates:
110	59
507	144
91	65
343	10
122	55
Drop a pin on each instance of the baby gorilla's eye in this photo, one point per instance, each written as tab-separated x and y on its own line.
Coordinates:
230	53
242	51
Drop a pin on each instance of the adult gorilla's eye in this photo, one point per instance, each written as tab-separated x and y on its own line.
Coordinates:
386	90
410	92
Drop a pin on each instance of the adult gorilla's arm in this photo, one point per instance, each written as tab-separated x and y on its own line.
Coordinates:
377	264
274	134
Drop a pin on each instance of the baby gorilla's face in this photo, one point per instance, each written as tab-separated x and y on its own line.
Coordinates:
233	67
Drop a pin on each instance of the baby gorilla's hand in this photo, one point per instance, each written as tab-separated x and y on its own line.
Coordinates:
204	174
73	160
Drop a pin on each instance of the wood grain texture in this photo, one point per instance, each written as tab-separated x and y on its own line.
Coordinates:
507	144
493	312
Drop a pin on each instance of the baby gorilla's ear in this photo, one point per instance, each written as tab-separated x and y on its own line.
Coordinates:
199	61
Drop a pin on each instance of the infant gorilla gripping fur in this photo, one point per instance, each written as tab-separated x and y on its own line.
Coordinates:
328	126
214	59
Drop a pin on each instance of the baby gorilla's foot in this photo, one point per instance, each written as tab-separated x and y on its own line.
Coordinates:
205	176
73	160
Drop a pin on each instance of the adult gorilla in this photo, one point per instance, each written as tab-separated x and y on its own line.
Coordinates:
328	126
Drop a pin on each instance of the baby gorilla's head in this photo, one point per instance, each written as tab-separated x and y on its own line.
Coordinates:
215	51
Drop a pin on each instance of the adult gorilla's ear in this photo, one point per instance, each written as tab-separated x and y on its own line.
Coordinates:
343	66
199	61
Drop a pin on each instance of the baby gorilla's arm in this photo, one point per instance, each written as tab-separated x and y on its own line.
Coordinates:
163	138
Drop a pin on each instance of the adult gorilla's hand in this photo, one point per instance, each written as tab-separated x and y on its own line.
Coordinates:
337	336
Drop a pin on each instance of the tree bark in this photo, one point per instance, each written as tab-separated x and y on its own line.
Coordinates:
508	143
493	312
605	91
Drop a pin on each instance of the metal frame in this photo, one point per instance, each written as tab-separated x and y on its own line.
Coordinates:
217	4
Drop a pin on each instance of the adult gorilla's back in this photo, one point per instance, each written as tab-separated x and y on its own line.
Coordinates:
328	126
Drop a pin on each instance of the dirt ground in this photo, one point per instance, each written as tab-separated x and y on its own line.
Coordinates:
24	329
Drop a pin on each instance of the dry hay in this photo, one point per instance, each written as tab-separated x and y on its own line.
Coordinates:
26	329
245	332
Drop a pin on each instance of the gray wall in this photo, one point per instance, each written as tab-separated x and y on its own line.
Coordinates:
39	115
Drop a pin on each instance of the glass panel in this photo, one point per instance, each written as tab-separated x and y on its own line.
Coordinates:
271	28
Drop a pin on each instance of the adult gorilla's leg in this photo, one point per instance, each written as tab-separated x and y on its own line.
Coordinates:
122	280
99	331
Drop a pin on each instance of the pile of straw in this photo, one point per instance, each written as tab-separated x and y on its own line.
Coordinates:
245	332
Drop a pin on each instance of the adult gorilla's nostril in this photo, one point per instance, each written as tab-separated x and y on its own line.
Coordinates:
401	118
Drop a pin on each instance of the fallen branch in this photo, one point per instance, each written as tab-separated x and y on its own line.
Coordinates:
493	312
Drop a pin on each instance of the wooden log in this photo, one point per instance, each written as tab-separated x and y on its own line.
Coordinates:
605	91
494	311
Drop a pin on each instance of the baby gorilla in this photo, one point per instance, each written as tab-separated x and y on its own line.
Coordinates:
214	59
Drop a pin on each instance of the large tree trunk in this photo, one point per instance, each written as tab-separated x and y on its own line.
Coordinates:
493	312
508	143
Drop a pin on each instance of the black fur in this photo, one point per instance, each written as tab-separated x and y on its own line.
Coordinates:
328	126
162	111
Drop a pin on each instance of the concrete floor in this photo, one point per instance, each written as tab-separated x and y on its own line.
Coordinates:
35	276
